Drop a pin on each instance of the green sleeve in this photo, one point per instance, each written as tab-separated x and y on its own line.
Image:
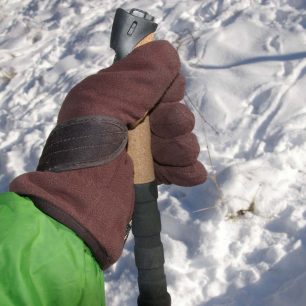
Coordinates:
42	262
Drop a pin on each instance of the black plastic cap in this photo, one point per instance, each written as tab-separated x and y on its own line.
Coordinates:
129	28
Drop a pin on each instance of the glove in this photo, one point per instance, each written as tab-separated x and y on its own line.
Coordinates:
84	178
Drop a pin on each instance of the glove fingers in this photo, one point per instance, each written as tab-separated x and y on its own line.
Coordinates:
128	89
179	151
192	175
176	90
170	120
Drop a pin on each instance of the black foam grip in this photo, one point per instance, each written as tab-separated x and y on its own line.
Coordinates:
149	258
149	253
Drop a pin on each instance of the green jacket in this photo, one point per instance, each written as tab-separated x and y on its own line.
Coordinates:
42	262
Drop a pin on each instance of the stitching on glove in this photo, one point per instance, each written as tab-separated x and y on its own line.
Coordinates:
82	143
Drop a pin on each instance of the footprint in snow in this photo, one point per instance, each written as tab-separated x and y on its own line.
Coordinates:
274	44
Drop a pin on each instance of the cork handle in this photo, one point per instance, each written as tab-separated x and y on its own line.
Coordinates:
139	143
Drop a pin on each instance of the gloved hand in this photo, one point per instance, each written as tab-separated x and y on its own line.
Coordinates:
85	177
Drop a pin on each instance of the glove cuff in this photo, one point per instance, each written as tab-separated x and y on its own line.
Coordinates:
94	202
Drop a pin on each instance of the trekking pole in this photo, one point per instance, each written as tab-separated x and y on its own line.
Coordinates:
130	30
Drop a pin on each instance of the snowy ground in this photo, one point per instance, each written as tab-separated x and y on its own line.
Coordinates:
239	239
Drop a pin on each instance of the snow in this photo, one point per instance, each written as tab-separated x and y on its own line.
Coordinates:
238	239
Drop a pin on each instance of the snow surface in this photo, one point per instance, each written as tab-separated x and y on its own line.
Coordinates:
238	239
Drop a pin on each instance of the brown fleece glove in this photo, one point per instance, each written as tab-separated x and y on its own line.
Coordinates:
85	177
175	148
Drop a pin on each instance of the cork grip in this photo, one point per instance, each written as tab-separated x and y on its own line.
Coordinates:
139	143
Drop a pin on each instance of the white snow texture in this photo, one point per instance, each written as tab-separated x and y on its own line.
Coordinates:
239	239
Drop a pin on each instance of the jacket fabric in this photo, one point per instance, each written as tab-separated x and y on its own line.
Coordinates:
43	262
